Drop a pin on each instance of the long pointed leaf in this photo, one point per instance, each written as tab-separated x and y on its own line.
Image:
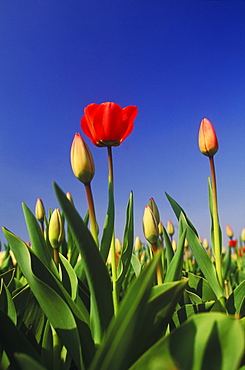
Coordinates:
96	273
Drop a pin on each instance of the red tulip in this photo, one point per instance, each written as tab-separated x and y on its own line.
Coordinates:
232	243
108	124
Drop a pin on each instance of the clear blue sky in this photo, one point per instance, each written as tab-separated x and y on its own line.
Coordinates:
178	61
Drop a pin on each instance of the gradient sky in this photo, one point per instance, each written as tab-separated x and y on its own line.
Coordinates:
178	61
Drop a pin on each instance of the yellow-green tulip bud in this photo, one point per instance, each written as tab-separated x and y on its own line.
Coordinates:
229	231
137	244
186	243
69	197
150	226
118	245
170	228
56	229
243	235
207	139
154	209
82	162
174	245
39	210
205	243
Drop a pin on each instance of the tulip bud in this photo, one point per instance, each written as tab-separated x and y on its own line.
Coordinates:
137	244
150	225
56	229
154	209
118	245
186	243
205	243
229	232
82	162
174	245
243	235
69	197
170	228
207	139
39	210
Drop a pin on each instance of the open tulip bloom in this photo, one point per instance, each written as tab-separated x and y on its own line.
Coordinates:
108	124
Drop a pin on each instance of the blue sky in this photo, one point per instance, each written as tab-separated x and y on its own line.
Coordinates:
178	61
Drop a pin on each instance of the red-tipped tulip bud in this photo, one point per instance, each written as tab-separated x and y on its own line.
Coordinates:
56	229
82	162
39	210
153	207
150	226
137	244
170	228
229	231
207	139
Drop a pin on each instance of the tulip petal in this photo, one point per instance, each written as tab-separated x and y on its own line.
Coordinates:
107	120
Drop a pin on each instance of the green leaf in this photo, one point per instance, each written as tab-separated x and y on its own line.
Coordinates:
108	224
47	288
12	340
188	310
128	242
178	210
69	278
6	302
123	336
209	339
200	286
236	302
176	264
96	273
168	246
26	362
203	261
38	243
136	265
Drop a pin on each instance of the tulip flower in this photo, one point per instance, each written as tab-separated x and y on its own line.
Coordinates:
108	124
207	139
232	243
81	160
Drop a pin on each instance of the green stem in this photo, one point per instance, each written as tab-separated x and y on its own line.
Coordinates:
91	210
217	242
159	268
113	249
56	257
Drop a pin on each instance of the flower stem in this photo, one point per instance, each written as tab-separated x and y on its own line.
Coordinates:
56	257
91	210
159	268
217	242
113	249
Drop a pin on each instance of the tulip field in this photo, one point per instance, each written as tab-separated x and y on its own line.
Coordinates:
76	298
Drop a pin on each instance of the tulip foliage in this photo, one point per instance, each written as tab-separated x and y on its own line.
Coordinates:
74	299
